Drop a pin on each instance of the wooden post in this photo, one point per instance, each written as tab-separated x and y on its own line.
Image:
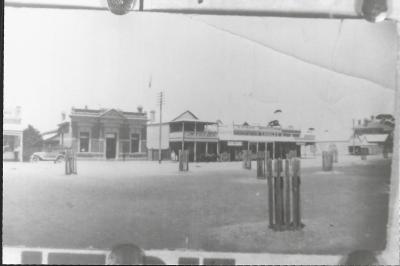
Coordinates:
218	153
278	195
66	162
260	165
270	193
186	160
327	161
287	193
246	160
71	163
364	152
195	142
273	150
244	152
183	136
296	194
75	164
180	155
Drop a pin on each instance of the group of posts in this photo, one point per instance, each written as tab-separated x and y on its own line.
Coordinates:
283	179
70	162
329	157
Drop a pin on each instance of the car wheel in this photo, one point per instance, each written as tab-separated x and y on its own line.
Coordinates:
35	159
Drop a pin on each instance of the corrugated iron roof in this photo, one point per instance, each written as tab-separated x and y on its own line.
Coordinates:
375	137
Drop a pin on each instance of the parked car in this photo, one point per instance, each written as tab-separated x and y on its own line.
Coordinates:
56	156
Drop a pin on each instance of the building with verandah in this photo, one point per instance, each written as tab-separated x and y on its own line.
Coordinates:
210	141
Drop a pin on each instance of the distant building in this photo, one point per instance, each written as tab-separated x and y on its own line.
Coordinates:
375	134
207	140
185	131
101	133
375	143
12	134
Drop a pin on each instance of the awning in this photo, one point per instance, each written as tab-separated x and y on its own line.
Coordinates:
49	137
375	137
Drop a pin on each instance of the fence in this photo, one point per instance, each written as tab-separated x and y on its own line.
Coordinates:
70	162
183	160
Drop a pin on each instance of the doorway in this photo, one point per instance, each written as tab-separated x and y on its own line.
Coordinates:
111	146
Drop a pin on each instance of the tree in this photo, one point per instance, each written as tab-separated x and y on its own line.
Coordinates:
32	141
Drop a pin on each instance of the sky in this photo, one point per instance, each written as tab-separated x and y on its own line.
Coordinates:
320	74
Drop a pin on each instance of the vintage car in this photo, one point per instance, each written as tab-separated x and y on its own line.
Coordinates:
56	156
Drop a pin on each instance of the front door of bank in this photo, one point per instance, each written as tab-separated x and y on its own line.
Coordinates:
111	146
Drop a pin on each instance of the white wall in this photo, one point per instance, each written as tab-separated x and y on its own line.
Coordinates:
153	132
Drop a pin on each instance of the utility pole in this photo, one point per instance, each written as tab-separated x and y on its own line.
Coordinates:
160	102
354	136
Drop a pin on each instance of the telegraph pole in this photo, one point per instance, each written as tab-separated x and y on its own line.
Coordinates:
354	135
160	102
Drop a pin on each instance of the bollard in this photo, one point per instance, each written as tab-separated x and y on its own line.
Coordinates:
67	162
260	166
74	168
246	160
287	193
296	195
180	155
278	195
183	161
186	165
333	149
364	152
327	161
270	193
70	162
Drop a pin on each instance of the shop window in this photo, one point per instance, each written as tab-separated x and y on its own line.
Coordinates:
134	142
84	141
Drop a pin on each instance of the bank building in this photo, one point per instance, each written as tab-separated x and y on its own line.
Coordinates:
102	133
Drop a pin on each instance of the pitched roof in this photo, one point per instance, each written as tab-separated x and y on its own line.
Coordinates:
103	112
185	116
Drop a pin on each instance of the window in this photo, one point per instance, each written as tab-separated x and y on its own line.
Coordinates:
134	142
84	141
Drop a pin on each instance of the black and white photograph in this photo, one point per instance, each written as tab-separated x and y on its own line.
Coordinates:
201	132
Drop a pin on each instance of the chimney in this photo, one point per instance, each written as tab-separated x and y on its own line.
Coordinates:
152	116
140	109
63	116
